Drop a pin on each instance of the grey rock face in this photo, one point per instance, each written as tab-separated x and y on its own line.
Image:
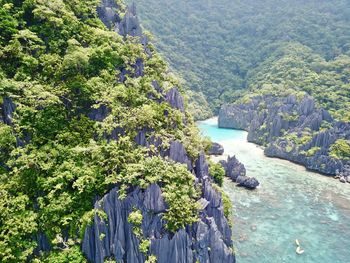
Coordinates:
43	243
216	149
130	24
141	137
157	95
247	182
107	12
175	249
7	108
99	114
201	169
233	168
346	170
177	152
154	200
267	118
137	72
175	99
237	173
139	67
232	116
344	174
207	241
113	237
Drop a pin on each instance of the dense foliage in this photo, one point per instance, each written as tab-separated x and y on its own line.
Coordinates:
294	68
340	149
177	185
217	172
224	47
59	64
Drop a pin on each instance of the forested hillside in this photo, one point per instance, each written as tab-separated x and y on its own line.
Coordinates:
98	154
224	47
295	69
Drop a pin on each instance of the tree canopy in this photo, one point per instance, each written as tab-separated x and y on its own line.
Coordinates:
223	48
59	65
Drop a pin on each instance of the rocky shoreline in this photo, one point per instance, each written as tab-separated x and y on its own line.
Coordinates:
291	128
234	169
216	149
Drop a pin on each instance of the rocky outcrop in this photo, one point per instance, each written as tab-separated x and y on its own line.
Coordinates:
247	182
236	171
175	99
233	168
178	154
99	114
208	240
7	109
344	175
205	241
130	24
290	128
216	149
107	12
112	237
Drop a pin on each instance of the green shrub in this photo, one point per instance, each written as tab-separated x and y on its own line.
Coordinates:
312	151
135	218
217	172
68	255
177	186
144	246
340	149
151	259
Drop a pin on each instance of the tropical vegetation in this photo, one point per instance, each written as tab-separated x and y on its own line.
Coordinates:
60	68
223	49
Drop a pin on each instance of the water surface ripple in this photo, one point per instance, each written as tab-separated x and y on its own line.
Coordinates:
290	204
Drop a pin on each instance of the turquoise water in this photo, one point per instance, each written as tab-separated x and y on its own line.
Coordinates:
291	203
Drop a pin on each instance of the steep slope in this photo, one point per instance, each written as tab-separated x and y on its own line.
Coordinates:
99	158
265	59
216	45
298	106
294	129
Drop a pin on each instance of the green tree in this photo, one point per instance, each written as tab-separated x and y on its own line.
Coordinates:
340	149
217	172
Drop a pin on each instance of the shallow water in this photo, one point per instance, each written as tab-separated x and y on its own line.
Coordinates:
291	203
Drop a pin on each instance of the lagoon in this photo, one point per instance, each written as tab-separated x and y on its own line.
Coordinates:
291	203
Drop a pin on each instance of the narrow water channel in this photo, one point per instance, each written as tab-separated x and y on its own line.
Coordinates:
291	203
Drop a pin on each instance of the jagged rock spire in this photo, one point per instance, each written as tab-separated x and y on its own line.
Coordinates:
107	12
130	24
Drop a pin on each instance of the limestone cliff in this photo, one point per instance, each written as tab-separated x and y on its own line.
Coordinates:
208	240
100	160
291	128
